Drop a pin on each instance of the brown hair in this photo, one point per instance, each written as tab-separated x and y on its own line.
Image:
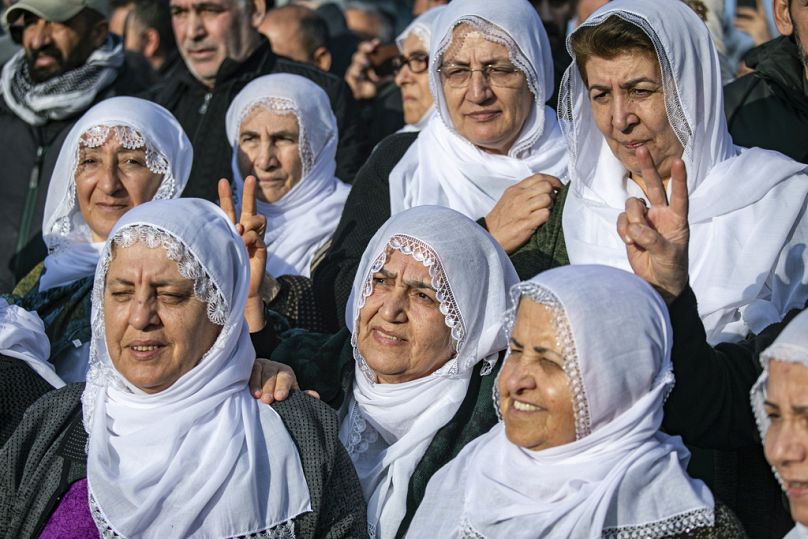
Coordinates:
611	38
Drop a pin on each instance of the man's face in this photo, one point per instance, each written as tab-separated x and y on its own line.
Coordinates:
53	48
791	17
209	31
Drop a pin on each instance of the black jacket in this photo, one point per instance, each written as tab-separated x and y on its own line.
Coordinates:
201	112
29	155
769	108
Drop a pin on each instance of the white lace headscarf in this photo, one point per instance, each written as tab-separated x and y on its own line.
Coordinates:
421	28
135	123
621	477
22	336
747	206
388	427
306	217
444	168
201	458
790	346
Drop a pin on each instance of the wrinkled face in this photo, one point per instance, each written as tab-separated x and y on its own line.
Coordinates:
269	149
628	104
402	333
415	95
490	117
53	48
786	443
210	31
111	180
535	397
155	327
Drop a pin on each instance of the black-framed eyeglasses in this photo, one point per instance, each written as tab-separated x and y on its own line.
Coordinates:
417	63
501	75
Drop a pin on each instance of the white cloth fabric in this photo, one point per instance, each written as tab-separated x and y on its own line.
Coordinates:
797	532
442	167
72	253
22	336
306	217
747	206
421	28
621	473
201	458
389	426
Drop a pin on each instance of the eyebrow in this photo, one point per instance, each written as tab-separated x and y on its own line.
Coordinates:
155	284
488	61
626	85
411	284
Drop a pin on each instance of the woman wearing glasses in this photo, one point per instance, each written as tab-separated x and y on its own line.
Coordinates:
493	151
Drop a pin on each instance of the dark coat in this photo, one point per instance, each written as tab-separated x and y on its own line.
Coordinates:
46	455
769	108
202	112
28	154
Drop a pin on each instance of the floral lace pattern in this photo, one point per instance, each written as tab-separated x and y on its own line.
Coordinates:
362	434
129	138
467	531
566	345
452	316
281	105
284	530
675	525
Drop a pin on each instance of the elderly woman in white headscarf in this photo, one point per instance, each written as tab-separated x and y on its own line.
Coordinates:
412	76
494	151
412	377
578	452
176	446
124	151
779	400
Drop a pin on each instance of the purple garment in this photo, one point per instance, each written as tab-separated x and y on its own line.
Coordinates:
72	518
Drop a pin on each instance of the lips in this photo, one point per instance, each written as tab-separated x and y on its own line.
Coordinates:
144	350
634	144
484	116
111	207
524	407
201	54
796	489
386	338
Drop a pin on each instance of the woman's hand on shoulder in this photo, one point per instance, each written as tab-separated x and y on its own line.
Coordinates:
523	208
271	381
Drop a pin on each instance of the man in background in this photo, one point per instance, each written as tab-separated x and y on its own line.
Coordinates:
299	33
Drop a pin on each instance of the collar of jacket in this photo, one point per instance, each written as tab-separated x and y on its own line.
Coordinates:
778	62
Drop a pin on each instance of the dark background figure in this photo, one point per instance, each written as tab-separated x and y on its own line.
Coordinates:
769	107
148	32
342	41
68	52
369	21
222	51
299	33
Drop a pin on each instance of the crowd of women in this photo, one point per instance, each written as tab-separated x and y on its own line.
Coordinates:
514	323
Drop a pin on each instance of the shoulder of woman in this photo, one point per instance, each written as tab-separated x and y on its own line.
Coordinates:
309	421
392	148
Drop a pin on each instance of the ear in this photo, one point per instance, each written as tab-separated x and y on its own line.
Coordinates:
782	17
99	33
152	45
322	58
259	11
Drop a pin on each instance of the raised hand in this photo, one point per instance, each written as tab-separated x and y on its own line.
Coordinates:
251	226
657	238
360	76
523	208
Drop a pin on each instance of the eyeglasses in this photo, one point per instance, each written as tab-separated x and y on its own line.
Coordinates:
417	63
501	75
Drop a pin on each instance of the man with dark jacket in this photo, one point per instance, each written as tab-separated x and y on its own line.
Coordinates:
222	52
69	61
769	108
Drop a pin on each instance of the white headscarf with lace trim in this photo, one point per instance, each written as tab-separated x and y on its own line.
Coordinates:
135	123
621	477
201	458
306	217
388	427
22	336
790	346
444	168
748	231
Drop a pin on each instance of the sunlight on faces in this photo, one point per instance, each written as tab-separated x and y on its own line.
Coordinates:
415	95
269	149
628	104
489	117
210	31
402	333
156	329
111	180
534	391
786	443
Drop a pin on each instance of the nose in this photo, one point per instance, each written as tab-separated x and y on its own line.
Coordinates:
785	446
623	116
403	76
38	34
110	181
479	89
143	311
517	379
196	26
394	308
267	158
